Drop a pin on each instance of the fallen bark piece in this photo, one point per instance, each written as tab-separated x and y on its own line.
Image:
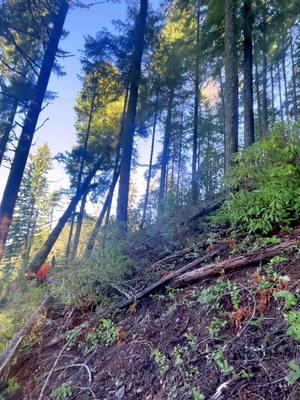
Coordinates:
234	263
169	277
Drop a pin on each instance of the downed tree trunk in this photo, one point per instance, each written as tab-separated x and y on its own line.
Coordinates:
170	277
234	263
9	353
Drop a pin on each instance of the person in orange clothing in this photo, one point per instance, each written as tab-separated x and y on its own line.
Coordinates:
41	275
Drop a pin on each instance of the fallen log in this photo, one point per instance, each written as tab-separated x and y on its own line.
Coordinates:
9	353
170	276
234	263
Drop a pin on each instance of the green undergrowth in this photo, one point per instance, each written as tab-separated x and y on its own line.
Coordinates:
16	312
91	279
265	184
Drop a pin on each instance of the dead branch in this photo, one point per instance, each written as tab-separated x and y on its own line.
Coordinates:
77	366
52	370
9	353
234	263
169	277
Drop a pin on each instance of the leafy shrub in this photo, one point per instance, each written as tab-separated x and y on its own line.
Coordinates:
89	280
211	297
11	389
267	177
63	392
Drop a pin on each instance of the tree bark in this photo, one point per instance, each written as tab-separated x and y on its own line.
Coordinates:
258	101
248	75
107	202
80	173
280	91
294	77
265	122
150	161
7	127
166	149
195	189
286	103
23	148
231	84
79	226
127	143
272	92
70	237
42	255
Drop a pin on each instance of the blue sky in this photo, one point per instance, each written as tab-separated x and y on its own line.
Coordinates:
58	130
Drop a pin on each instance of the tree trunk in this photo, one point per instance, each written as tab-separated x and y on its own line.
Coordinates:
231	84
118	153
166	149
107	202
7	127
80	173
70	237
265	123
280	91
258	102
286	103
23	148
248	75
294	78
180	154
42	255
127	143
195	189
150	161
272	92
78	227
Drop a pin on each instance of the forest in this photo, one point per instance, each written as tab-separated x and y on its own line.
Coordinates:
150	203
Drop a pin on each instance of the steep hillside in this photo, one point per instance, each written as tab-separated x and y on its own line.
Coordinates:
233	334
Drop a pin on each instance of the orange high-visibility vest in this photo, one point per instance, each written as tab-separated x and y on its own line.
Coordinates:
42	274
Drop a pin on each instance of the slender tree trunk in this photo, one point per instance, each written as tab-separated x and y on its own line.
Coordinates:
166	149
23	148
127	143
294	77
248	75
280	91
195	190
223	115
180	153
231	83
107	202
70	237
7	127
118	154
272	92
258	100
83	202
79	226
150	161
265	122
286	103
42	255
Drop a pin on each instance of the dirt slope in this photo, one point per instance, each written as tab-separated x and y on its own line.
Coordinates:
225	338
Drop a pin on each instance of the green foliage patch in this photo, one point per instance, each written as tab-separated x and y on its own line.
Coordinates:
265	183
